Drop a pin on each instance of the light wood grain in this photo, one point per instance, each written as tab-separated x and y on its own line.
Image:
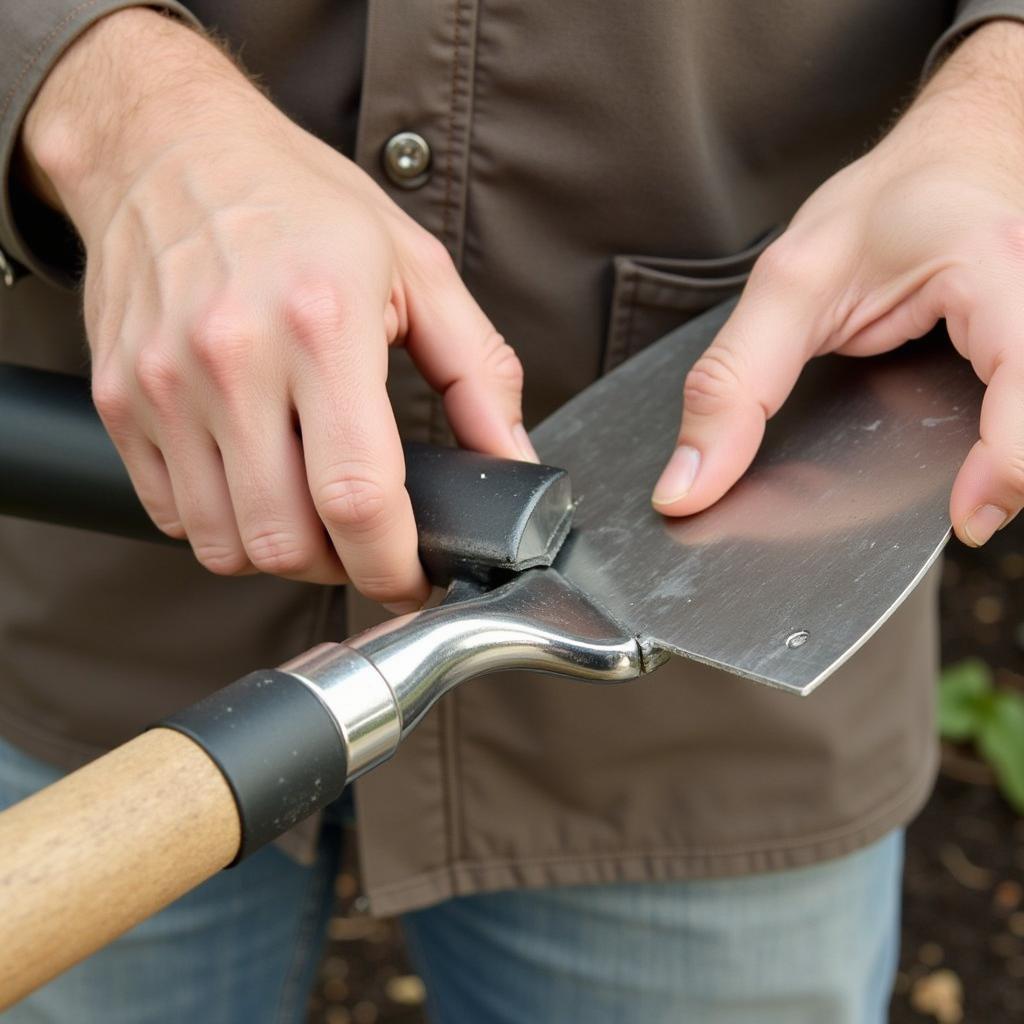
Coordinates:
92	855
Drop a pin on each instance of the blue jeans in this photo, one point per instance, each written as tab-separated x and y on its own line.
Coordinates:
812	946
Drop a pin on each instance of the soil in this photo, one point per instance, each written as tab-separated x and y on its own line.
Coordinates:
962	959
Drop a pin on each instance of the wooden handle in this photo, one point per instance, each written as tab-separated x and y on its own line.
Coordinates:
87	858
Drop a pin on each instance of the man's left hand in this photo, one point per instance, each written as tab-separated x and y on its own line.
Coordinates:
928	225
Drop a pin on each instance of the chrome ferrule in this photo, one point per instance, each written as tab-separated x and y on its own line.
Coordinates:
357	698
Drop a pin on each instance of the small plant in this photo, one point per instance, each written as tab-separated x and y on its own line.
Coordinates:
973	709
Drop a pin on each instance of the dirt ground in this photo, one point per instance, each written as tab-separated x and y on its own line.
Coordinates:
963	932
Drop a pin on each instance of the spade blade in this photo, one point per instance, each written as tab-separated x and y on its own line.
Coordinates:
841	514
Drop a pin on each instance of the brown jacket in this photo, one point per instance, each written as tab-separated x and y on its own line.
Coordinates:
600	173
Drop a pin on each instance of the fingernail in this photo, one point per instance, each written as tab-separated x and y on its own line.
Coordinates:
403	607
983	522
678	476
523	443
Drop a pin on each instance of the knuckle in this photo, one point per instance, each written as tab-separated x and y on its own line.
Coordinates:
160	508
432	255
784	265
279	553
168	524
713	381
503	363
220	342
112	399
381	587
1013	239
352	501
314	312
220	558
1013	471
158	374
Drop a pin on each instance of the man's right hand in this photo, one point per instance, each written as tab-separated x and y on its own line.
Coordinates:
243	284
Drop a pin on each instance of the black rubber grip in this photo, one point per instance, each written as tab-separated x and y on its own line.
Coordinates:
57	463
277	747
476	515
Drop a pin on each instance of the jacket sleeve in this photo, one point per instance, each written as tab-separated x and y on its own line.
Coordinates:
970	14
33	35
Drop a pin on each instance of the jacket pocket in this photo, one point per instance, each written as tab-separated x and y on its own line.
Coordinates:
654	294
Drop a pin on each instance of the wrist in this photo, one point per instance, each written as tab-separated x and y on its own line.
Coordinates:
134	84
970	111
985	73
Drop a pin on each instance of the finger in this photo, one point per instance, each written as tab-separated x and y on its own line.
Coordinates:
989	489
142	459
464	358
740	381
203	500
353	456
913	317
278	525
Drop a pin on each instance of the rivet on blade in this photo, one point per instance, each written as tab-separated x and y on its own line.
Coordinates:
798	639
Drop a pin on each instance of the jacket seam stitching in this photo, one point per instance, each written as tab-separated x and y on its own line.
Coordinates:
33	58
449	169
449	231
631	315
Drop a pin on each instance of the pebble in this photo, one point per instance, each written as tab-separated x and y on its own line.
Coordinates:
335	967
335	990
967	873
406	990
364	1013
941	995
1012	566
1007	895
988	609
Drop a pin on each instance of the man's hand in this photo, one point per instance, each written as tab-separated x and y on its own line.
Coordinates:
929	224
243	284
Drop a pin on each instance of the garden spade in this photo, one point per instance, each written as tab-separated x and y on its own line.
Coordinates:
841	514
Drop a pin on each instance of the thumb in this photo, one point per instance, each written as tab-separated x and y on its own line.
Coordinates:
733	388
466	360
989	489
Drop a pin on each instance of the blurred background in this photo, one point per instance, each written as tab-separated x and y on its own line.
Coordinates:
963	926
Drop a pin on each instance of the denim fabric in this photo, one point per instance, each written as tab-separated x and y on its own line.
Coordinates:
816	945
811	946
243	948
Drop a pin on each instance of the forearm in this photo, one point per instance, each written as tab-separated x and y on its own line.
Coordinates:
987	71
128	88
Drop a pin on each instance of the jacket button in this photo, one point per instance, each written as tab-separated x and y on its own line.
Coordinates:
407	159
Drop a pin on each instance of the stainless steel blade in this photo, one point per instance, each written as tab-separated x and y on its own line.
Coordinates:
843	511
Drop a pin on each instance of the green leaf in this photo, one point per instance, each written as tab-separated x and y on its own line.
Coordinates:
965	695
1001	742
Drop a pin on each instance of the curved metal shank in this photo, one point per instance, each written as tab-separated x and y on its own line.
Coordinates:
379	684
